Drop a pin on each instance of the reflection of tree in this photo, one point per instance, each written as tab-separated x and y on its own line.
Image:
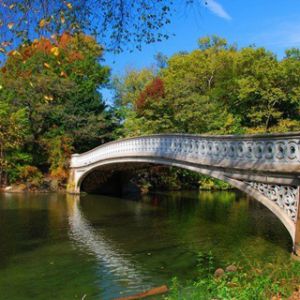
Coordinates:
113	264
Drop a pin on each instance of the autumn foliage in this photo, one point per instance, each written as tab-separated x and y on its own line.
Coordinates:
152	92
54	82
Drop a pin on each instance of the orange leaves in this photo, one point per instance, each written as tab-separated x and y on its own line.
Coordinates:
43	45
65	40
74	56
56	54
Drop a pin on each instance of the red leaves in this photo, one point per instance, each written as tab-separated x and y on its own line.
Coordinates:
153	91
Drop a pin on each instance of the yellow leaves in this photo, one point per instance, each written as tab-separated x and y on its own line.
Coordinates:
12	6
69	5
2	50
47	66
1	87
48	97
42	23
10	25
55	51
16	53
31	84
62	19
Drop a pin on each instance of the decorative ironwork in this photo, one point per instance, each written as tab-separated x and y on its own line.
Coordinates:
286	197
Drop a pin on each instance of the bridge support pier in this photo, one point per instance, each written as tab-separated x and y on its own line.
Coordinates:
72	184
297	231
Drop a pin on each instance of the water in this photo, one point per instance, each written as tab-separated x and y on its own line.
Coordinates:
95	247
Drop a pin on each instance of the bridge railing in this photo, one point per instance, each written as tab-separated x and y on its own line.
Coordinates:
259	151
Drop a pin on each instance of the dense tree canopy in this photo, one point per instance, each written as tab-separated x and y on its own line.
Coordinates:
217	88
55	85
50	104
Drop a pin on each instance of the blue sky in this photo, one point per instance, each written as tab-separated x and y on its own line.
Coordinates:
274	24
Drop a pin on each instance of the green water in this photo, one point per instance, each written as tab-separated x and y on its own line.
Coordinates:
94	247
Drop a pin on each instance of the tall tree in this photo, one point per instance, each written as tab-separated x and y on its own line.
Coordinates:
57	84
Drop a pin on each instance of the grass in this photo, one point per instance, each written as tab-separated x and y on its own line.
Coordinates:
251	281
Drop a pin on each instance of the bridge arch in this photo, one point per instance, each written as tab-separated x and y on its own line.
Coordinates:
266	167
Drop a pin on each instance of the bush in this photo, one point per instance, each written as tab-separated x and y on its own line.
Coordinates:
31	175
208	183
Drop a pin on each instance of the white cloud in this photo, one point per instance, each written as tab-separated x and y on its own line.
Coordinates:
217	9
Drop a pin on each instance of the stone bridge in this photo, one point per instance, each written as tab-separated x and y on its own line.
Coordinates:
266	167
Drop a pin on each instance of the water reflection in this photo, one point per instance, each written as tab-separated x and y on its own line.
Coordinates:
63	247
118	271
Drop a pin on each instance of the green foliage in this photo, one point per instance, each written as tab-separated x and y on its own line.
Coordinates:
215	89
250	282
59	152
52	103
13	131
208	183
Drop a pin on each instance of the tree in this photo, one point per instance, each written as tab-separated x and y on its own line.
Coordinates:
13	132
217	89
57	84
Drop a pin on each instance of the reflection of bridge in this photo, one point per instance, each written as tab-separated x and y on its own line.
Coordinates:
114	265
267	167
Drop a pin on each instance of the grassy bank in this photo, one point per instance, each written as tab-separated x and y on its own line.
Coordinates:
252	281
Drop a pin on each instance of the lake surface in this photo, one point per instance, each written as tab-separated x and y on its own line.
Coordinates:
95	247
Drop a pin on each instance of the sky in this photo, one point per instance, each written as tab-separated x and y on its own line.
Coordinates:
274	24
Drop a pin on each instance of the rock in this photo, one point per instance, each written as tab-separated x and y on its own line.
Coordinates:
18	188
231	269
219	273
295	296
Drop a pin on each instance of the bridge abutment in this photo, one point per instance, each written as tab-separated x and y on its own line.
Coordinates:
297	229
72	186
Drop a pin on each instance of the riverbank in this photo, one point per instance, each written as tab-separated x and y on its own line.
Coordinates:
48	186
138	184
252	281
